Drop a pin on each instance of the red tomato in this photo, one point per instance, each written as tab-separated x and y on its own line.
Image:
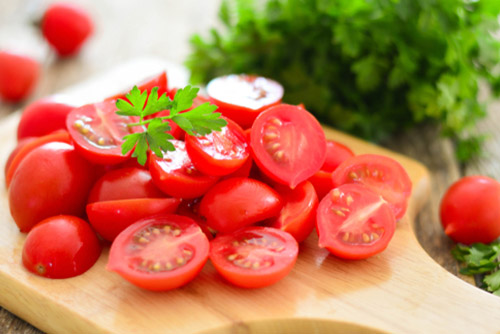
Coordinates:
238	202
66	27
288	144
159	253
159	81
254	256
470	210
97	132
18	76
124	183
298	215
61	247
381	174
58	136
51	180
109	218
175	174
322	182
336	153
23	142
354	222
220	152
43	117
242	97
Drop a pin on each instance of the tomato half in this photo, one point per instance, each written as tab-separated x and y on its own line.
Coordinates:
288	144
237	202
61	247
220	152
175	174
470	210
242	97
97	132
381	174
354	222
255	256
159	253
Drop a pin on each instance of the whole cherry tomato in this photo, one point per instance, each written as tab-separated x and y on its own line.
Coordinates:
18	76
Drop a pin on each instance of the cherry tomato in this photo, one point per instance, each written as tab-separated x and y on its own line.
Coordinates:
51	180
61	247
322	182
66	27
18	76
288	144
254	256
159	81
159	253
175	174
23	142
242	97
43	117
220	152
97	132
298	215
354	222
109	218
470	210
381	174
237	202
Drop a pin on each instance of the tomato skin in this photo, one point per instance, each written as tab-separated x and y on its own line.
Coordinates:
123	256
469	210
18	76
66	27
109	218
43	117
234	203
51	180
322	182
354	223
288	144
60	247
336	153
255	241
23	142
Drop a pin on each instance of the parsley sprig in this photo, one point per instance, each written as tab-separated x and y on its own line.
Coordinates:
200	120
481	259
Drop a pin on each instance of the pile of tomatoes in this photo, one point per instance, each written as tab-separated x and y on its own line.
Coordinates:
244	197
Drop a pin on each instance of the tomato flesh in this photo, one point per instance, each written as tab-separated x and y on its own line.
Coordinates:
354	222
159	253
255	256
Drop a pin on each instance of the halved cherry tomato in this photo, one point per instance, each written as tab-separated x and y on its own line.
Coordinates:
109	218
254	256
242	97
288	144
382	174
470	210
159	81
175	174
298	215
159	253
43	117
238	202
60	247
354	222
97	132
220	152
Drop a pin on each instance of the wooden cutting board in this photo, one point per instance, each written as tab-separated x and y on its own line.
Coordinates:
401	290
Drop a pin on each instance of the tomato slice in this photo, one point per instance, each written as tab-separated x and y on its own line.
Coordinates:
381	174
97	132
255	256
159	253
175	174
237	202
109	218
243	97
298	215
288	144
159	81
220	152
354	222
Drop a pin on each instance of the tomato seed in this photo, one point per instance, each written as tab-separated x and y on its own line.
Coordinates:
345	237
275	121
349	200
143	240
366	238
269	136
232	257
353	175
374	236
335	194
338	212
168	266
176	232
256	265
179	260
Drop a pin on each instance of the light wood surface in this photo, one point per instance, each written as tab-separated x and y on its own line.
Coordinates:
400	290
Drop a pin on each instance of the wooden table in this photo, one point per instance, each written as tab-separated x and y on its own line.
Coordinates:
129	29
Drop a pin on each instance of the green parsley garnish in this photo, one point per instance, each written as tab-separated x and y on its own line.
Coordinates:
201	120
481	259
